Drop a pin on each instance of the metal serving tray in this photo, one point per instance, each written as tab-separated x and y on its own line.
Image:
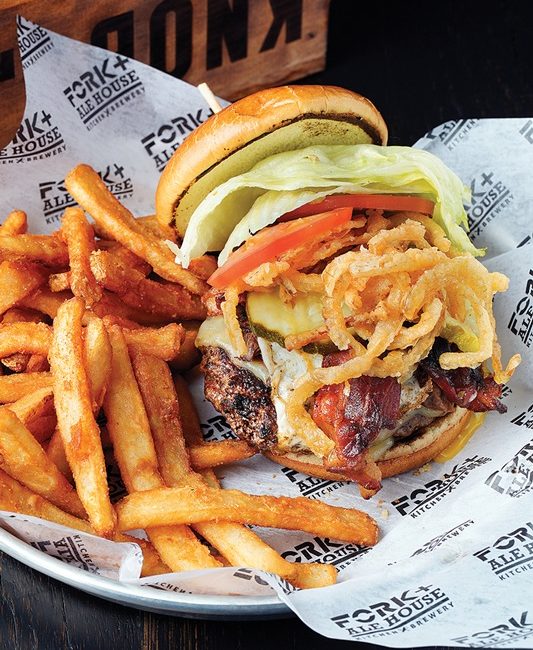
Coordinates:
153	600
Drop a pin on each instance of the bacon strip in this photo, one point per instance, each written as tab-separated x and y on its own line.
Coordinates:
353	414
466	387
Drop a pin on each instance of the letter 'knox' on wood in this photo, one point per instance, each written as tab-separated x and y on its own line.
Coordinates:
236	46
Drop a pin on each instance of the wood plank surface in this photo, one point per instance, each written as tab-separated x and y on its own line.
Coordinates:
235	46
422	64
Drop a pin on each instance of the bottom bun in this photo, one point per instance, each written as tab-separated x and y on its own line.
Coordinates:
401	457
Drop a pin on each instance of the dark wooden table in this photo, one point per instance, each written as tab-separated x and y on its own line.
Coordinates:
422	63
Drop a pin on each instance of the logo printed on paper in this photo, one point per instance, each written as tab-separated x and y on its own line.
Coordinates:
55	197
524	419
161	143
514	629
283	584
453	132
426	496
434	543
34	42
521	321
506	390
98	92
310	486
216	428
250	575
37	137
489	198
325	550
399	613
515	478
70	549
167	586
510	554
526	130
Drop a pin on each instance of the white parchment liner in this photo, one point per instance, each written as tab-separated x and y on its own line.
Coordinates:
455	562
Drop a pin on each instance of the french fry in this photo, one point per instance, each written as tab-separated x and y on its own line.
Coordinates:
23	458
21	314
163	343
189	355
16	223
112	305
59	281
238	544
16	362
121	255
169	506
162	409
98	355
91	367
46	301
25	337
36	412
23	362
76	423
47	249
135	454
223	452
15	497
84	184
18	280
161	231
55	450
124	323
37	363
13	387
98	363
190	422
79	237
168	300
242	547
148	224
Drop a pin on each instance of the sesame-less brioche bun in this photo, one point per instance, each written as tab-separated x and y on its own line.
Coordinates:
268	122
426	444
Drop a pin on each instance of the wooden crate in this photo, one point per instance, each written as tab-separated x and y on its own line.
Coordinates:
236	46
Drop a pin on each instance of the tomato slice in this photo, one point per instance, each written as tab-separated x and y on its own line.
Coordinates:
272	241
395	202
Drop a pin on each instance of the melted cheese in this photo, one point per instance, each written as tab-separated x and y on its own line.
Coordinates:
213	332
381	444
473	424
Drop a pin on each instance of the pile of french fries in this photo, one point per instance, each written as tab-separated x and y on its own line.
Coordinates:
97	322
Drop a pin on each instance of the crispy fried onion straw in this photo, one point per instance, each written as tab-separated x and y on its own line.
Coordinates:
386	300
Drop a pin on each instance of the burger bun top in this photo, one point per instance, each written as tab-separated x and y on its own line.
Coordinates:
270	121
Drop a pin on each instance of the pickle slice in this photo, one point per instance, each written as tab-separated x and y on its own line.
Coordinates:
274	320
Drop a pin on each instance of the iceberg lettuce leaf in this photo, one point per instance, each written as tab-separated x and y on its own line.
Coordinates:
244	204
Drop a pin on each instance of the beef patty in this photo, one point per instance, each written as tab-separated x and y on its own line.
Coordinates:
245	402
240	397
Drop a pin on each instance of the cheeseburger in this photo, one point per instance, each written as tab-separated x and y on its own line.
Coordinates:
350	331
